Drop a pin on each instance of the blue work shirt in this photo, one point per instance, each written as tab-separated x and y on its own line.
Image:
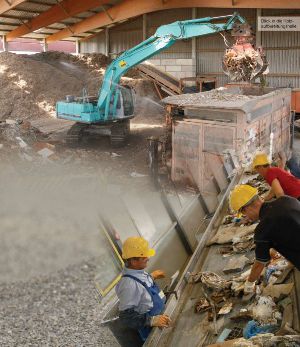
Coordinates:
132	294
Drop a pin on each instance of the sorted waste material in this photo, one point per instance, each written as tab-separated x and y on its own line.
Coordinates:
277	270
259	184
253	328
265	311
243	316
211	280
278	291
236	264
202	306
244	243
226	308
269	340
226	234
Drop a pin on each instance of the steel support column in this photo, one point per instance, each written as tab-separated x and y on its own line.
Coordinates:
107	48
194	46
4	44
144	26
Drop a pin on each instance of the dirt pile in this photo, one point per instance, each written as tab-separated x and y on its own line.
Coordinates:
31	88
31	85
92	60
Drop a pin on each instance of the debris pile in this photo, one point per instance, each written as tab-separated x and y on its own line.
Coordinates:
269	340
208	97
242	64
32	84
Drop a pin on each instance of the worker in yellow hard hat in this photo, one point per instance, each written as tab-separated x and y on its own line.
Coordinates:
141	302
280	181
278	228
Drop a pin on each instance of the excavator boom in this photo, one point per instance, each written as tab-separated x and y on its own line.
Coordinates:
114	106
165	37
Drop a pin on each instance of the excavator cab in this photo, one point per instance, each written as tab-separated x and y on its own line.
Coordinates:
126	102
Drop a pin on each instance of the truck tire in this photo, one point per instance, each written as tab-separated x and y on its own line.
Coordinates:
119	133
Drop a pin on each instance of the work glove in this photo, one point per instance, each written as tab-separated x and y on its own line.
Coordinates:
161	321
249	287
158	274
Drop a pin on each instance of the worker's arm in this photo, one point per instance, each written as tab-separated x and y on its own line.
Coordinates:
269	196
256	270
276	188
135	320
262	255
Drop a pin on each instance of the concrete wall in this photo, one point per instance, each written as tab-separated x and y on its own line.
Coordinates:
178	68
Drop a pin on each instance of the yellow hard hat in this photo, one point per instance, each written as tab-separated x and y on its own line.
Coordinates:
241	196
137	247
260	159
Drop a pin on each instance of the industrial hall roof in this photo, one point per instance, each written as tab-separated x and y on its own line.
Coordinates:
56	20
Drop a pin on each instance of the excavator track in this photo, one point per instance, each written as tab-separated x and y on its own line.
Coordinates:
75	134
119	133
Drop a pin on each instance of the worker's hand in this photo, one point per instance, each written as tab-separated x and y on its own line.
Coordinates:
249	287
158	274
161	321
274	254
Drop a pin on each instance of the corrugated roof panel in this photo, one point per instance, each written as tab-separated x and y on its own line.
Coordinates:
280	39
30	6
284	61
20	14
9	20
6	27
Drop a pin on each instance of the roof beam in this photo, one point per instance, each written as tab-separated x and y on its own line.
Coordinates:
6	5
132	8
57	13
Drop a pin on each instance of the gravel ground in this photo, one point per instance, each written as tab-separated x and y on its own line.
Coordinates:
57	310
50	244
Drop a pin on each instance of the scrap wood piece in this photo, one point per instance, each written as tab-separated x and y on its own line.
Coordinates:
202	305
226	234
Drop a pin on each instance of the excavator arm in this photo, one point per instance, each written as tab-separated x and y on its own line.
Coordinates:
165	37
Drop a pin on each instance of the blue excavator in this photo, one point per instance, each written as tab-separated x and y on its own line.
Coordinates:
114	106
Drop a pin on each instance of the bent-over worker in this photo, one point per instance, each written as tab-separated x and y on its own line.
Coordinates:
278	228
280	181
141	302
